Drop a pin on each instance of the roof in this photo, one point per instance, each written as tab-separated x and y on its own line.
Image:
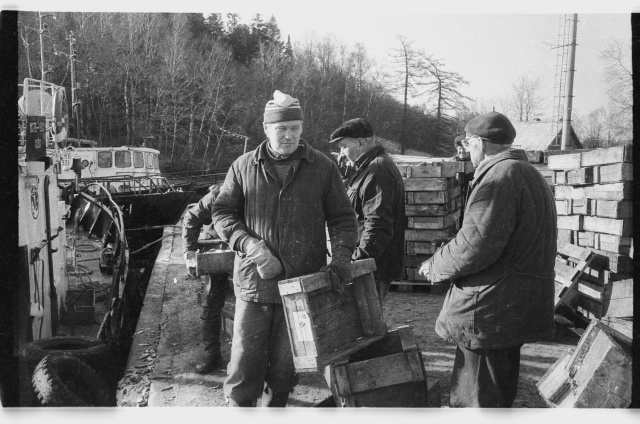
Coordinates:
393	147
538	135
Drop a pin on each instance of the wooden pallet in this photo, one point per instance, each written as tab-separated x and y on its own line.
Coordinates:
570	264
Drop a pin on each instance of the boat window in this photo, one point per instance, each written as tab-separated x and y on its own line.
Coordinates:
156	162
149	160
105	160
123	159
138	160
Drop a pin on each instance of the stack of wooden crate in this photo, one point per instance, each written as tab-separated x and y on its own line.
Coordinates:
434	202
593	192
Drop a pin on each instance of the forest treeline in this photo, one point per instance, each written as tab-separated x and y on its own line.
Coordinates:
194	87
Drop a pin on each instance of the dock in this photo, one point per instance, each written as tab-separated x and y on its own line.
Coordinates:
167	344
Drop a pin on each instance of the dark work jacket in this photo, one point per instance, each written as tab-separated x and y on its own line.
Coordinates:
376	192
290	218
501	262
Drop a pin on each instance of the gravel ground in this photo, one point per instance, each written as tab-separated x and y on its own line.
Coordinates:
420	310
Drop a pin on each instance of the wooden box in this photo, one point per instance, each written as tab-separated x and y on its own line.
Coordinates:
388	373
428	184
433	222
432	197
564	162
215	261
324	326
607	156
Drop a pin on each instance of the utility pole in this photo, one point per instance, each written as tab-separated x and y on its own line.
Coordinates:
566	120
75	104
42	27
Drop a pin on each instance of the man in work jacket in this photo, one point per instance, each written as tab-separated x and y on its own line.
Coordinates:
195	219
501	268
272	209
376	192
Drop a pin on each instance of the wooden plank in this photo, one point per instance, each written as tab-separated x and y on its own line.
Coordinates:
373	302
318	280
589	289
565	236
554	384
618	227
615	262
607	156
614	191
624	326
577	252
607	242
614	209
613	173
564	162
431	210
570	222
432	197
436	170
361	299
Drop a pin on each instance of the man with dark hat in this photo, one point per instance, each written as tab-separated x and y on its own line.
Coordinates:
501	268
376	192
272	209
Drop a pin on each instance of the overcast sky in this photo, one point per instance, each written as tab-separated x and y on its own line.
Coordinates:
488	43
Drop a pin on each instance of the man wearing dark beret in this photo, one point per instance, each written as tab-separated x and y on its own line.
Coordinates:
274	208
501	268
376	192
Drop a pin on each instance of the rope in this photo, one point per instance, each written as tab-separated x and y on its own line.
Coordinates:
151	228
146	246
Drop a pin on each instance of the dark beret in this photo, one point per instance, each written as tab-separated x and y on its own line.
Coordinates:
354	128
493	126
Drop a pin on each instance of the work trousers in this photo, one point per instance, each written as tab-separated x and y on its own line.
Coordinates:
213	295
483	378
260	352
382	287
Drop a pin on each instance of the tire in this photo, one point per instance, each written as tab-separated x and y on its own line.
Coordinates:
94	352
62	380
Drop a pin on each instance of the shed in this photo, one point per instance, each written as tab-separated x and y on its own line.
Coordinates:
540	135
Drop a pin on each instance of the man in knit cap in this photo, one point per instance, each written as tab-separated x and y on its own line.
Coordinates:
501	268
272	210
376	192
461	153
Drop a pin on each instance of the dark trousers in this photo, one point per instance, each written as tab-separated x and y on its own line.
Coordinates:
484	378
212	303
382	287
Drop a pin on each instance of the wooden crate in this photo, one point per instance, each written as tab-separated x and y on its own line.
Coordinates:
435	170
618	227
428	184
324	326
613	173
570	222
564	162
429	235
388	373
613	191
424	248
414	261
583	206
580	176
432	197
433	209
608	242
433	222
614	209
215	261
607	156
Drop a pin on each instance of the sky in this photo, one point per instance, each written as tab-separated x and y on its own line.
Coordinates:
489	43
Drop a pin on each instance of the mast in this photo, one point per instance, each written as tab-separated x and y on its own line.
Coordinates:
566	120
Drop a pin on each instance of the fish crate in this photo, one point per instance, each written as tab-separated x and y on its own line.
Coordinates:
388	373
325	326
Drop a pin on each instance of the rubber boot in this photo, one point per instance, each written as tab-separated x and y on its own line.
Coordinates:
211	337
274	399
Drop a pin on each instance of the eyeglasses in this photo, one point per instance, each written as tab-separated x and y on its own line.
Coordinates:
465	142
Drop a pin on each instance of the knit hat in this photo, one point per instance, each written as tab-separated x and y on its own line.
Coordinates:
354	128
282	108
493	126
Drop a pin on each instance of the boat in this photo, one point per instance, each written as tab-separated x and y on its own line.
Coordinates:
80	287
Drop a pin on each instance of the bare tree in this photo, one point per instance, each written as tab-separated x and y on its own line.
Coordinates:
619	81
525	100
407	76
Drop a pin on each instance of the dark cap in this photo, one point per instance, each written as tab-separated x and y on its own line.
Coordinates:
354	128
493	126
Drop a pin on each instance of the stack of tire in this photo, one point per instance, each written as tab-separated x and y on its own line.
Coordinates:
70	371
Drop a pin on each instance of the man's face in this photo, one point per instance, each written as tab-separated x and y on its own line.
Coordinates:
284	136
350	148
475	147
461	153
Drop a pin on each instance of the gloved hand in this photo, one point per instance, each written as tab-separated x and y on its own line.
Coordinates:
340	268
190	262
268	265
425	268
